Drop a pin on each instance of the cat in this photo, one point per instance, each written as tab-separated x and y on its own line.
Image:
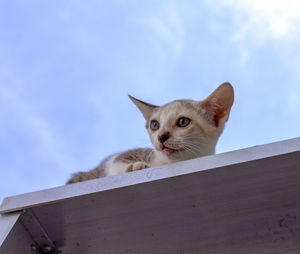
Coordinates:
179	130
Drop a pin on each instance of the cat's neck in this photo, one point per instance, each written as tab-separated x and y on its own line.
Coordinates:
159	159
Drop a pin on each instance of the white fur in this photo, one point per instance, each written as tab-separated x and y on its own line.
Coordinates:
198	138
114	168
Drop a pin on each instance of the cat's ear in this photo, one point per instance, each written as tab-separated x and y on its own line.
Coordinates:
217	106
146	108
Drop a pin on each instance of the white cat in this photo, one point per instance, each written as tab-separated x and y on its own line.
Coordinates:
179	130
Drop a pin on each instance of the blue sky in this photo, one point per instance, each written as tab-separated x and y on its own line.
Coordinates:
66	68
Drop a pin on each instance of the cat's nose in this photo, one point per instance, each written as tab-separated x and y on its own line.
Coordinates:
164	137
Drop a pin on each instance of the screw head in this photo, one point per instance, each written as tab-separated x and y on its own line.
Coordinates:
47	249
33	247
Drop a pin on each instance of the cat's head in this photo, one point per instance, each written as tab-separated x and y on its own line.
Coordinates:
186	129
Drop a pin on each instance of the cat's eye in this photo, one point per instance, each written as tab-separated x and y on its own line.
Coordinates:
183	121
154	125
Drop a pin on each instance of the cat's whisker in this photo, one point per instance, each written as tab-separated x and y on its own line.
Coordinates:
186	141
194	149
192	152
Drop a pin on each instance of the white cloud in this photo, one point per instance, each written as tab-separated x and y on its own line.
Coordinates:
168	29
266	19
271	23
260	22
48	142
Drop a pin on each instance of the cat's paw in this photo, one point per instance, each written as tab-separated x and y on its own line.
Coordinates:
137	166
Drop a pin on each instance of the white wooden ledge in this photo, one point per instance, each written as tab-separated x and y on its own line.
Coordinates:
245	201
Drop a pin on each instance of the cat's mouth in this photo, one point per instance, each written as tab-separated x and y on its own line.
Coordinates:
168	150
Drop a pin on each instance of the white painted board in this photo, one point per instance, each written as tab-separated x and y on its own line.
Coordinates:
245	201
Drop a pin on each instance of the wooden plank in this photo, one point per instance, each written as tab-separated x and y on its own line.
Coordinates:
6	224
246	201
19	202
252	207
14	239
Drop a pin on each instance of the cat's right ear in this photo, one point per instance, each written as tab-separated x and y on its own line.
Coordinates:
146	108
217	106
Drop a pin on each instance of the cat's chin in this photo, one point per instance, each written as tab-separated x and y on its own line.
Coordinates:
175	155
170	152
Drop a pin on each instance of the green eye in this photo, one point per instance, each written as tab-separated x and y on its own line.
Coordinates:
183	121
154	125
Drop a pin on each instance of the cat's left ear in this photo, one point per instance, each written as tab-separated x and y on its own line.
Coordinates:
217	106
146	108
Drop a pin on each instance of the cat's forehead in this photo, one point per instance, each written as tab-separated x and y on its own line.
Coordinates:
176	108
